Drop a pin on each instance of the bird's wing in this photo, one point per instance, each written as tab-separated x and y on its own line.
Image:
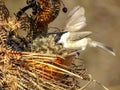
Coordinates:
74	36
76	19
75	9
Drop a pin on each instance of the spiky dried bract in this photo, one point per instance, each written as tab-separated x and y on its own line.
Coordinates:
8	74
50	10
11	24
24	32
4	13
22	35
24	26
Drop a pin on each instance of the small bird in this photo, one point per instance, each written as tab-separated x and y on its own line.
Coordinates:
72	38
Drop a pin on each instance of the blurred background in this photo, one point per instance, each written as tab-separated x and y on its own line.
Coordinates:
103	19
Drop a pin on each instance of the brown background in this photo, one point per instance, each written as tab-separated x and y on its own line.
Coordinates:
103	19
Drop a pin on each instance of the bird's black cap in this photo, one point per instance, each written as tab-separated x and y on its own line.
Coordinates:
58	36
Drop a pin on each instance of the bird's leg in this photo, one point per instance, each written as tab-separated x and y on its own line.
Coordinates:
76	53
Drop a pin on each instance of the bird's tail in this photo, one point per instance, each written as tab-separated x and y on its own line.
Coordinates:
103	46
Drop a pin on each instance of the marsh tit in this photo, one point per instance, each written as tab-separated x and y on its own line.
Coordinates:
72	38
